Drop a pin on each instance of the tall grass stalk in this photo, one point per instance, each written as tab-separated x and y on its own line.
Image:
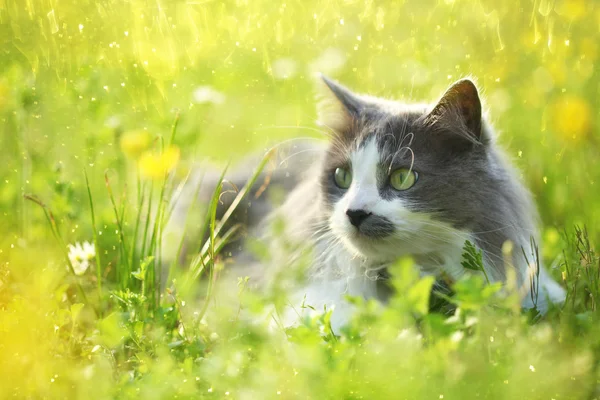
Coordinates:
200	259
56	233
95	238
148	213
164	220
140	205
122	276
198	263
245	190
212	247
155	276
175	261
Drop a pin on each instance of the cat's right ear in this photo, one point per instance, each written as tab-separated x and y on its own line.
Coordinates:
338	107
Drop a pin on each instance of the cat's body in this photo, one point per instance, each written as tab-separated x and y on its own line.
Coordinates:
400	180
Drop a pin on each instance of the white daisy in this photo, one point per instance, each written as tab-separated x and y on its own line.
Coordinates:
80	256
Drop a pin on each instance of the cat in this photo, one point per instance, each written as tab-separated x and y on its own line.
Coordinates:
394	180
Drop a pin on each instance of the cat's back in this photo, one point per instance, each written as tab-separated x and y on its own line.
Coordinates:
287	183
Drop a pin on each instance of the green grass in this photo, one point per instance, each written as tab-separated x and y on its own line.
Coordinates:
99	100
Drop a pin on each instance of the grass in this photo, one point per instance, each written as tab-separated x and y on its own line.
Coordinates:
104	107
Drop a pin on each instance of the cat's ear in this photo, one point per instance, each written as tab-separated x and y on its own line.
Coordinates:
338	107
459	111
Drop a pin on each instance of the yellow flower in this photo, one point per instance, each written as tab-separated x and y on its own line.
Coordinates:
134	143
155	166
571	117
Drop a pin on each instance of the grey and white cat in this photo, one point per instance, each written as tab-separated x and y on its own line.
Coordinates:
398	180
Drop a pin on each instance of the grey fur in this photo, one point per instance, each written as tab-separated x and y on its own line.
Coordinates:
464	180
283	174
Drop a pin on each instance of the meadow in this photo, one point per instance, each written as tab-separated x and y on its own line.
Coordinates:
105	105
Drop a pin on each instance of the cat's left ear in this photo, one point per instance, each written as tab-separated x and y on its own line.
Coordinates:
459	110
338	106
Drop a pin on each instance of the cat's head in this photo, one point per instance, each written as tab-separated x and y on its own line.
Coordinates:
405	179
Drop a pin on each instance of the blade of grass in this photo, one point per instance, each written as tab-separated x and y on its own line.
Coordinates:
245	190
211	253
212	277
206	257
168	215
174	128
220	243
123	278
128	266
177	195
140	205
185	228
212	210
147	224
95	238
63	246
156	239
238	199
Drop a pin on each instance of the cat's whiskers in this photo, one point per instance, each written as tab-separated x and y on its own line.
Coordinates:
476	234
285	160
460	239
412	159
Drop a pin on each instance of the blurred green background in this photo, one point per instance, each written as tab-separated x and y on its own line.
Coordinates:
93	85
75	75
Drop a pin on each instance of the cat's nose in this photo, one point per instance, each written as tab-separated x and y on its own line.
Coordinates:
357	217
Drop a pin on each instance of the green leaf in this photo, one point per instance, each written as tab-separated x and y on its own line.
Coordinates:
140	274
419	293
472	258
75	310
404	274
112	330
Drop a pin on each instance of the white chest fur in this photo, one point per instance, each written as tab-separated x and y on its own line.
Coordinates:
321	295
337	274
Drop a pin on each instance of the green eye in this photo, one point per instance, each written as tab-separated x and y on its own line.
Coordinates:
342	177
403	179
